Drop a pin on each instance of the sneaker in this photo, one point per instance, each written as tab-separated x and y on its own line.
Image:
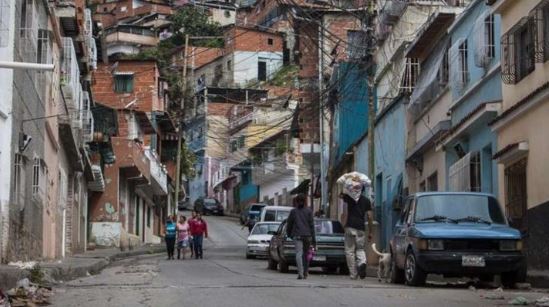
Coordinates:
362	271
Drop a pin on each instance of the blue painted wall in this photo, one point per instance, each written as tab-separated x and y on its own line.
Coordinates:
390	155
479	136
351	111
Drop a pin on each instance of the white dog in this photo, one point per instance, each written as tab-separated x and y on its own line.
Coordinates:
384	264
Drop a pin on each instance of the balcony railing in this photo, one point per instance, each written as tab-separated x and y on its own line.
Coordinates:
98	184
238	121
70	74
87	119
392	10
158	173
131	154
131	34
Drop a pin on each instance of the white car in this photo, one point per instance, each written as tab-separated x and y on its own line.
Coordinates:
259	239
274	213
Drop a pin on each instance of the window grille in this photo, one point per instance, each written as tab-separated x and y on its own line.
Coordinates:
485	49
87	118
39	180
4	22
444	69
70	73
540	17
464	175
28	31
123	83
19	180
411	73
458	64
518	56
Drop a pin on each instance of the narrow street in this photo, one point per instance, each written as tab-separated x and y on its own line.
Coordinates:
224	277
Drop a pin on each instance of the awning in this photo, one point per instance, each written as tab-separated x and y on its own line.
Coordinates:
302	188
511	152
429	140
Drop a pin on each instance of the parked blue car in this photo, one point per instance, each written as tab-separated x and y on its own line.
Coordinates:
456	235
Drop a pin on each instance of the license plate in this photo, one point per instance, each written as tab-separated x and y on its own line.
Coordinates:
473	261
319	258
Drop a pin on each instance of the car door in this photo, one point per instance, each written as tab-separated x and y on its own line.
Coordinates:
399	239
276	241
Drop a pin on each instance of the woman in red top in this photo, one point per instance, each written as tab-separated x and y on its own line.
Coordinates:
199	230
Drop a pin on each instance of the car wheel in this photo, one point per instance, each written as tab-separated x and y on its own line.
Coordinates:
283	267
343	269
413	274
510	279
397	274
271	264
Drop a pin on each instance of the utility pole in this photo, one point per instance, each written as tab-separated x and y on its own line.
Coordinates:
180	125
371	42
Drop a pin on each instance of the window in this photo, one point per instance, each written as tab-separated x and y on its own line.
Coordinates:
518	56
432	182
38	180
270	41
42	54
464	175
357	43
234	145
241	141
19	174
229	65
262	71
4	22
218	74
484	47
444	69
540	15
411	74
463	60
123	83
227	14
28	29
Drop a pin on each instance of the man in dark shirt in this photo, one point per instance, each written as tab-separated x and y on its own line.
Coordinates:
354	218
301	228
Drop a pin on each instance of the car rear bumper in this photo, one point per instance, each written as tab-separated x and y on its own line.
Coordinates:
320	259
448	262
261	251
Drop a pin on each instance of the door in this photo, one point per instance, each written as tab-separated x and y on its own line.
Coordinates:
262	71
401	230
516	195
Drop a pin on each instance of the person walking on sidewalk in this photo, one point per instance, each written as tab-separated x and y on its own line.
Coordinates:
301	228
199	231
191	241
182	236
169	236
354	217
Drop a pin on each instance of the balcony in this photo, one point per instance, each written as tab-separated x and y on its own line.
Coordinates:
240	117
392	10
128	39
159	174
66	10
98	183
87	119
132	159
70	73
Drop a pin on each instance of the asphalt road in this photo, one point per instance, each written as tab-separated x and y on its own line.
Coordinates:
225	278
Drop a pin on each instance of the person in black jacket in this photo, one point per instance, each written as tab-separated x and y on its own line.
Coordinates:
301	228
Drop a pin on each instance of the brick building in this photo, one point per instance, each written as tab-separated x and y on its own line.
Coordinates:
136	197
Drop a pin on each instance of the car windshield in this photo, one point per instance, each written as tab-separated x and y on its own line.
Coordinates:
210	202
455	207
256	208
326	227
263	229
276	215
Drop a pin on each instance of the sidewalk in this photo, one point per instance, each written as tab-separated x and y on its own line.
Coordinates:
91	262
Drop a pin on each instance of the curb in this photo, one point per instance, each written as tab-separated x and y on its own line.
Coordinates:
75	267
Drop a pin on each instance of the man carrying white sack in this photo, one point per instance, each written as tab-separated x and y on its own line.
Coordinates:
357	206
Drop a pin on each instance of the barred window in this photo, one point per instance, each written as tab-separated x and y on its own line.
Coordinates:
518	56
463	60
39	180
540	17
19	175
411	74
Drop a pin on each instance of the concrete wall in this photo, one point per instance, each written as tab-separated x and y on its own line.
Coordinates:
6	54
246	65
